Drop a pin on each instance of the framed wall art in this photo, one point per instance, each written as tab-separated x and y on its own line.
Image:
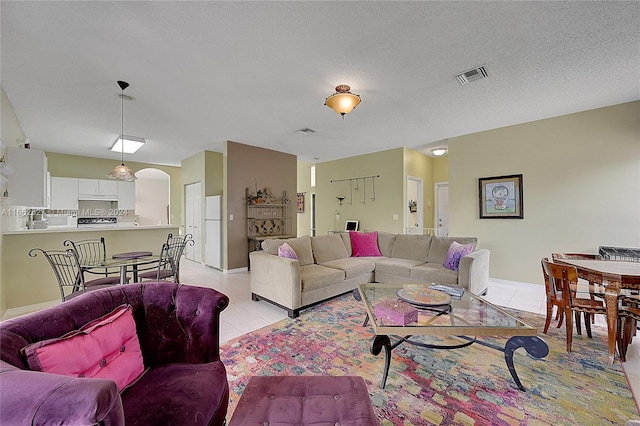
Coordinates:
300	202
501	197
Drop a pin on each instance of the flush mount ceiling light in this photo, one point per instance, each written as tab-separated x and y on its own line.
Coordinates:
121	171
438	152
131	144
343	101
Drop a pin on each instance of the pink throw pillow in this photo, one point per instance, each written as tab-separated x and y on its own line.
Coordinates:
105	348
285	250
455	253
364	244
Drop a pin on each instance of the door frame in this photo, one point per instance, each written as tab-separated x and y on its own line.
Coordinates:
419	201
438	185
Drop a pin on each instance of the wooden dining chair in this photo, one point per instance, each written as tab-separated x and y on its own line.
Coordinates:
563	279
69	275
595	290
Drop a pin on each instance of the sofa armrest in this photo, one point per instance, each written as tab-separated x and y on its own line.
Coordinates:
473	273
33	397
276	278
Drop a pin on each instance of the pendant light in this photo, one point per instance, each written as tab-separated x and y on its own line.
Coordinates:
121	171
343	101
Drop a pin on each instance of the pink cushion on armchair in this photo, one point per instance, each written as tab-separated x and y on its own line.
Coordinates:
364	244
106	348
455	253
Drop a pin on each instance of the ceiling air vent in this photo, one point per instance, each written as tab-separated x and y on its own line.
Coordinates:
472	75
305	131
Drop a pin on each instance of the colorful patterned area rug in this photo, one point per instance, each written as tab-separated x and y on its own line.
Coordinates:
468	386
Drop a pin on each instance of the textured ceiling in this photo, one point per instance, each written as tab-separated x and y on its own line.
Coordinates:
256	72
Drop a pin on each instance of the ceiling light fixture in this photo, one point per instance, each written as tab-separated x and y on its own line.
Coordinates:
439	151
131	144
343	101
121	171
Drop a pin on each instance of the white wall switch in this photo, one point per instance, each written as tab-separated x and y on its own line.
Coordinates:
230	217
395	216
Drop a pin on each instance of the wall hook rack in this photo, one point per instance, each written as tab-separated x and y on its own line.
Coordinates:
357	187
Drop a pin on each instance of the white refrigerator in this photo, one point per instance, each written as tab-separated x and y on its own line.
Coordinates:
213	231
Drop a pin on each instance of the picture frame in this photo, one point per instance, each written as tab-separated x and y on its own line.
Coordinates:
351	225
500	197
300	202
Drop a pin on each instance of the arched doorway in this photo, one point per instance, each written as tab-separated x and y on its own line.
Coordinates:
152	197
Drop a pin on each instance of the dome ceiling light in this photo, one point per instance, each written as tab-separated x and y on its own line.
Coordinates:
343	101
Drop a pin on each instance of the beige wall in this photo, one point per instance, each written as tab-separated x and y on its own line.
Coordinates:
373	215
581	182
11	134
304	186
76	166
440	169
245	167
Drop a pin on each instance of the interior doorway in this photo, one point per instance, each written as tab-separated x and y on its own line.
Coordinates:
442	209
153	195
414	219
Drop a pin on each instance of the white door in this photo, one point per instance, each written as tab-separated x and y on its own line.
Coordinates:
442	209
193	220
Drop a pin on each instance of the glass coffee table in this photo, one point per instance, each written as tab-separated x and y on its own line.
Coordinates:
400	313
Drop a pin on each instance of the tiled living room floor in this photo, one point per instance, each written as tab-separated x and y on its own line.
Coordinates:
244	315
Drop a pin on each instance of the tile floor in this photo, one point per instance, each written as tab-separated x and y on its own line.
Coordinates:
244	315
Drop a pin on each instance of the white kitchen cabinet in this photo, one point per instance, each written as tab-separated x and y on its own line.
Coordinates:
126	195
97	189
27	185
64	193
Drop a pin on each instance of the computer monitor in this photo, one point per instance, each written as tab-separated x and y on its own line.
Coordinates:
351	225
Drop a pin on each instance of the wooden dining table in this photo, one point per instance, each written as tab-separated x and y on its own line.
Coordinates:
614	275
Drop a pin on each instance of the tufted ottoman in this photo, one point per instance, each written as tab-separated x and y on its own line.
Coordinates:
305	400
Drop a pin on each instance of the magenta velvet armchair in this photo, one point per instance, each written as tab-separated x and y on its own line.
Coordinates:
177	326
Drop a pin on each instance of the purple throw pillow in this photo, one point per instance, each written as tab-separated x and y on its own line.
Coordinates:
364	244
285	250
455	253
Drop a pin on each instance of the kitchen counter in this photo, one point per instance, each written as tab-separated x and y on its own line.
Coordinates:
58	229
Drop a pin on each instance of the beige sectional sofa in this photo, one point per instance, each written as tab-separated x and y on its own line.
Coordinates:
325	267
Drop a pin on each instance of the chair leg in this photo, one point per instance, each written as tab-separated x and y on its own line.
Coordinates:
587	323
578	325
547	321
561	313
569	327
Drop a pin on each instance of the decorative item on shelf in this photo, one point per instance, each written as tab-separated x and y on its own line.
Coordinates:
343	101
121	171
340	199
413	206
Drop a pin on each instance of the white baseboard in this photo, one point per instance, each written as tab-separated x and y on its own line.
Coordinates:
23	310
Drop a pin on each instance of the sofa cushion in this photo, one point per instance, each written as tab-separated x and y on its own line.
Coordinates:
328	247
397	267
455	253
440	246
364	244
315	276
434	273
385	243
301	245
105	348
346	238
415	247
351	266
285	250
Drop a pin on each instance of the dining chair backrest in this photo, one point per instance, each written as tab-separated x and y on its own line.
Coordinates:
563	279
91	251
175	246
65	268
